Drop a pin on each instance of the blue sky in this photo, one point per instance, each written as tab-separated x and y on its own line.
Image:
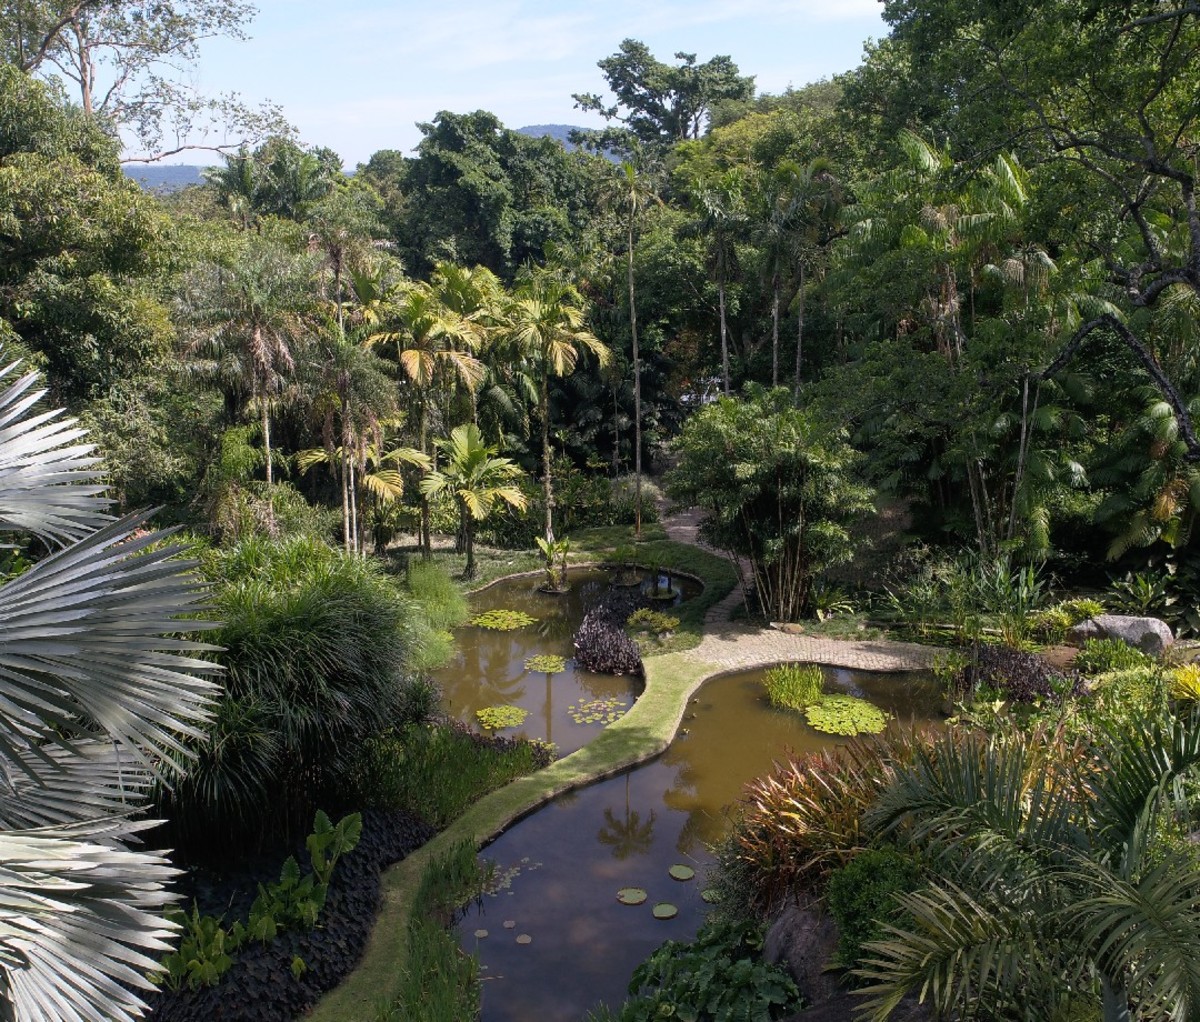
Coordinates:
357	75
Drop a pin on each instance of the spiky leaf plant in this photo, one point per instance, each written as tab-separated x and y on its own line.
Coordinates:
97	691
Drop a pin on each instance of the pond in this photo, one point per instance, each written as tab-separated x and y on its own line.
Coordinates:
489	667
559	869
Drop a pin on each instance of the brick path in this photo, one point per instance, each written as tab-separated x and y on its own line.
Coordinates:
734	646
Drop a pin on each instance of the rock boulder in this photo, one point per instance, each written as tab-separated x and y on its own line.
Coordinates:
1148	634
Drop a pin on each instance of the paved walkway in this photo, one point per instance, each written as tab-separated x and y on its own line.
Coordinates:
736	646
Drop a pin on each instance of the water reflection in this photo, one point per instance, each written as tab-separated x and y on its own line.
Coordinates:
627	831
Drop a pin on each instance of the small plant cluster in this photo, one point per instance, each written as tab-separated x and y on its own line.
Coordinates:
1099	656
1185	682
598	711
546	663
1169	594
555	555
502	620
1012	675
295	901
496	718
794	686
720	975
602	645
1052	623
646	620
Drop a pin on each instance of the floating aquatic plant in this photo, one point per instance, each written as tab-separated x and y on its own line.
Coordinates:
631	896
845	715
546	663
493	718
502	620
524	938
681	872
665	910
598	711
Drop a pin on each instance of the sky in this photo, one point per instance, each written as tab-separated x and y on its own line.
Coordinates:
358	75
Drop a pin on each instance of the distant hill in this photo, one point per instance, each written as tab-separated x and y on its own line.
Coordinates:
159	178
560	133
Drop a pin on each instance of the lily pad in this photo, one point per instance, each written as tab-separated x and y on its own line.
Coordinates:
631	896
510	924
665	910
598	711
845	715
481	934
546	663
524	938
502	620
493	718
681	872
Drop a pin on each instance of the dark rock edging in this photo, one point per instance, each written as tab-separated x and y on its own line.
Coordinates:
259	986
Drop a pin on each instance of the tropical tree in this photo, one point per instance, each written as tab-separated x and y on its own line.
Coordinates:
478	481
721	217
1055	875
632	193
545	321
431	345
776	485
98	696
246	320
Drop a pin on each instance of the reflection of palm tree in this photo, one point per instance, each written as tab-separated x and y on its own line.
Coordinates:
628	836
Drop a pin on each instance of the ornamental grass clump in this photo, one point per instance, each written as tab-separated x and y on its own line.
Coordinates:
794	686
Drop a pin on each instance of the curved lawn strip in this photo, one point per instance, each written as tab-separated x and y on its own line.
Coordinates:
644	732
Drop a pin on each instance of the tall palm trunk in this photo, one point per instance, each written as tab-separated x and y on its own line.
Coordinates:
775	329
799	330
266	432
345	474
724	332
637	399
426	537
546	485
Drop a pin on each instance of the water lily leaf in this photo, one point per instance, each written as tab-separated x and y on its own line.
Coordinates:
681	872
493	718
710	896
502	620
524	938
546	663
510	924
845	715
481	934
665	910
631	896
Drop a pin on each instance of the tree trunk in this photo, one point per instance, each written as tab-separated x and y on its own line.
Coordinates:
775	330
724	334
469	536
546	484
426	537
799	331
1115	1001
637	400
345	475
266	431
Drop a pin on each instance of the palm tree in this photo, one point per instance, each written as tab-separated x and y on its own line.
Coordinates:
247	318
721	207
545	320
236	184
633	192
477	479
430	342
97	694
1054	875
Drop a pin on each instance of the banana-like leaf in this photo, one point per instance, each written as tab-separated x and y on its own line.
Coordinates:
79	921
85	642
49	485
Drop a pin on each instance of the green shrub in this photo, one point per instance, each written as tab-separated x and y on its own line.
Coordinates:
1128	694
646	620
861	898
720	975
794	686
1099	656
1185	682
317	650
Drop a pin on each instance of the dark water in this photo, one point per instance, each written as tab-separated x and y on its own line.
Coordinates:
488	669
562	866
